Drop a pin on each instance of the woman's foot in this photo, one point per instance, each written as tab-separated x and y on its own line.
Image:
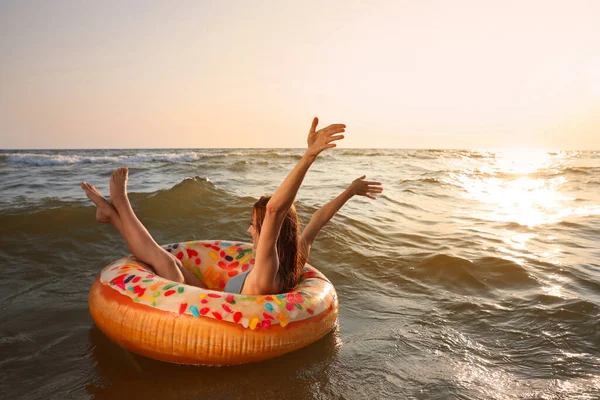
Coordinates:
105	212
118	187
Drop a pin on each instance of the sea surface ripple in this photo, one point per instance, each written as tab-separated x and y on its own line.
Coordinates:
475	275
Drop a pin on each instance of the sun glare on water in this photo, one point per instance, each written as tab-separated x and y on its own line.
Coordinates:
519	185
521	161
506	192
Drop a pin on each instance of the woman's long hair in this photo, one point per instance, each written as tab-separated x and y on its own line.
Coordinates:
289	251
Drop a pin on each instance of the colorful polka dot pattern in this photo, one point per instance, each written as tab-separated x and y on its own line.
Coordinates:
215	262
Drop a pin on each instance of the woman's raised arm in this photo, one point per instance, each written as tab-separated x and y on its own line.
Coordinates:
319	219
267	262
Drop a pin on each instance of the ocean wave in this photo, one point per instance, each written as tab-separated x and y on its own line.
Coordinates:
572	225
581	170
452	273
582	313
265	154
244	165
435	181
364	153
423	155
188	188
464	276
193	194
193	205
400	203
476	154
430	183
51	160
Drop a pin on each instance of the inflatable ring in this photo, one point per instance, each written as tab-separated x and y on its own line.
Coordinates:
173	322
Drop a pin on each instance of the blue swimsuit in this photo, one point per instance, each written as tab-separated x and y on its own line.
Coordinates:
236	284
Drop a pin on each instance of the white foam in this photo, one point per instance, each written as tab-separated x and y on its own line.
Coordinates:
44	160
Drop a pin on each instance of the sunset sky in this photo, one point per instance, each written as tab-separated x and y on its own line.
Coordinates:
198	74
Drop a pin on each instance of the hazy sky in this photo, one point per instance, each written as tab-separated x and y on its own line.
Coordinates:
408	74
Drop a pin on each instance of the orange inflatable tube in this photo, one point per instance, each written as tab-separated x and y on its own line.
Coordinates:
183	324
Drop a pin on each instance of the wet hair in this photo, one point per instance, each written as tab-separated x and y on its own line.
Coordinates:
289	251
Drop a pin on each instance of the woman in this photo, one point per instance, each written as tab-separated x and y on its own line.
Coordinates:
280	254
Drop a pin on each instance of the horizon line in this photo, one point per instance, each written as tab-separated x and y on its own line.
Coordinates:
301	148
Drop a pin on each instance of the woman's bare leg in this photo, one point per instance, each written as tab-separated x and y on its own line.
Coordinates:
138	240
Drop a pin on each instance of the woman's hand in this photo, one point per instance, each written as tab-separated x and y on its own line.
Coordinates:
363	188
321	139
